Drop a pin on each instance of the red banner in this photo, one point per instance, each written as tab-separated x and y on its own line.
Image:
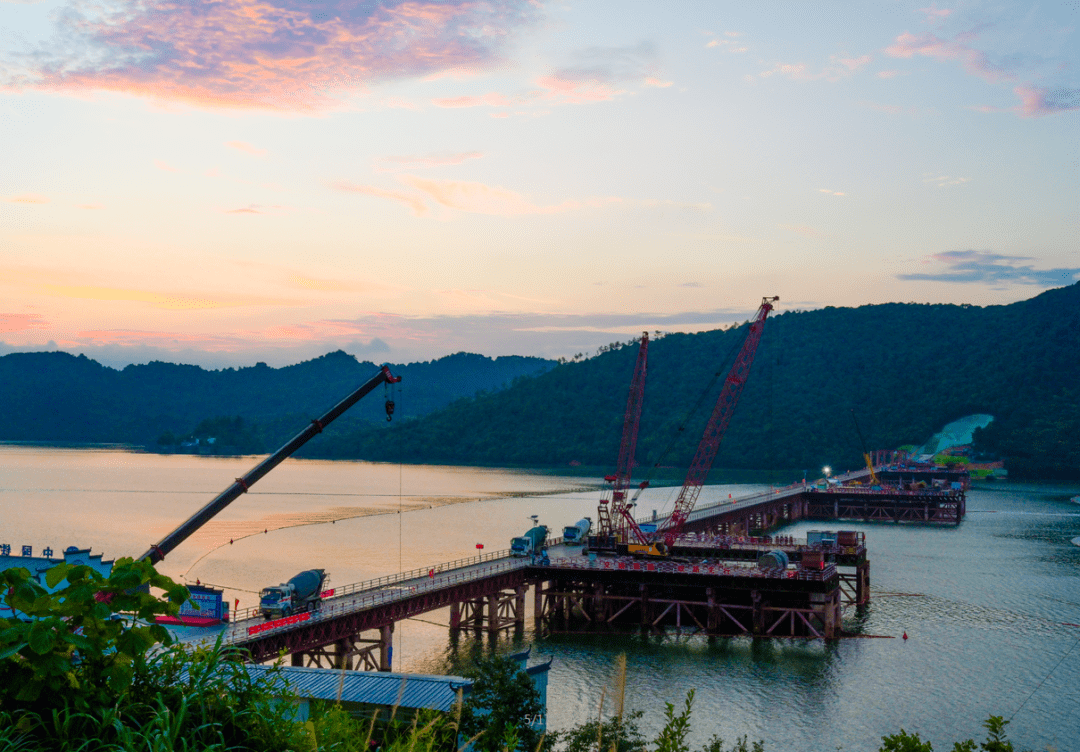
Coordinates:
268	625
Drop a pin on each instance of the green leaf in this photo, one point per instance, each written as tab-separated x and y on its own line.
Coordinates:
57	574
8	652
42	638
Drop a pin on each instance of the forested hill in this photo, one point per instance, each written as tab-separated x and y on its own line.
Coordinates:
57	397
905	369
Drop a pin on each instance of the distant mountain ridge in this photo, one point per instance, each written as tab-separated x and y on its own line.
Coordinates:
905	369
58	397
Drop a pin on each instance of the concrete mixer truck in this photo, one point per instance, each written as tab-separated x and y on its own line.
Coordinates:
302	593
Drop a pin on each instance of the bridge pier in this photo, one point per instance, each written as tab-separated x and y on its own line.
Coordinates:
350	653
493	612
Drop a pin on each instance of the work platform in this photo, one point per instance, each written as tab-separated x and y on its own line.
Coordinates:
711	584
722	598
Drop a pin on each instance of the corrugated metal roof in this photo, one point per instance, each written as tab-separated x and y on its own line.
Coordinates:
372	687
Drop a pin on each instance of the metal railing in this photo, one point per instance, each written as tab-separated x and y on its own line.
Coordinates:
240	631
399	577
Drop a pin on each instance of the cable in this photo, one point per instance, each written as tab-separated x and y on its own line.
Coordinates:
1044	679
724	367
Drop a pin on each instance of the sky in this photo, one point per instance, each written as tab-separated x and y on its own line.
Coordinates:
221	182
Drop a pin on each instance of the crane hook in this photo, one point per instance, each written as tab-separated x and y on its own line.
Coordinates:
389	410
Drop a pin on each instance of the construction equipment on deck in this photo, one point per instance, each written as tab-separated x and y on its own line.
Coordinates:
865	455
615	522
710	440
159	550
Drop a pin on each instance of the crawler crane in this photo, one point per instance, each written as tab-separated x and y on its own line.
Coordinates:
710	441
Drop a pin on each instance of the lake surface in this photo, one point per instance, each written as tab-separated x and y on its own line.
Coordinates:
990	606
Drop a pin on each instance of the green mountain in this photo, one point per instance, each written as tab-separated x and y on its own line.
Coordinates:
905	369
57	397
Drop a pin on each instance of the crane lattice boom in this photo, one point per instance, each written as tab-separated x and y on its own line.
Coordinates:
718	423
612	519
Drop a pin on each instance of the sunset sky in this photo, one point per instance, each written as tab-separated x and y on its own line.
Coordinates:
226	181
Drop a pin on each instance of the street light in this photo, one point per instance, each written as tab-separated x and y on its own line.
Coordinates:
827	470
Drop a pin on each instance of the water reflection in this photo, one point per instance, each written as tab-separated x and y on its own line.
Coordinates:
987	604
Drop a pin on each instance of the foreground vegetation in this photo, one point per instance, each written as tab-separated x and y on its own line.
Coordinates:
90	672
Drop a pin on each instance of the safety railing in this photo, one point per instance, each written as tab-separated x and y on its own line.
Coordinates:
242	631
392	579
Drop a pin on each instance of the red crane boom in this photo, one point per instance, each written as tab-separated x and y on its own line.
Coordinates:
611	517
718	423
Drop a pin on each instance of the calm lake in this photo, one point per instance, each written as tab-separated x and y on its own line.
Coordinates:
990	606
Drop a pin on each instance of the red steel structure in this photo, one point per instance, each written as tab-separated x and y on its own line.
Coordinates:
612	516
718	423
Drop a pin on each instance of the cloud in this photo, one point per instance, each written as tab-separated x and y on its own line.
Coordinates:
411	200
492	99
267	54
391	337
164	166
732	44
256	209
657	83
21	322
332	285
170	301
29	198
985	267
1036	102
838	68
831	192
941	181
974	61
478	198
247	148
425	161
578	87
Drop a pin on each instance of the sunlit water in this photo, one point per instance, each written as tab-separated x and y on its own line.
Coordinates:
989	606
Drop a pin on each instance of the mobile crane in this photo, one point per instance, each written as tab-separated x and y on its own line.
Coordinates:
615	523
710	441
159	550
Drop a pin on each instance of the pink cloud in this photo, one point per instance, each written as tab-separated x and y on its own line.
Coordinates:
164	166
414	202
247	148
1036	101
656	82
570	89
837	69
478	198
166	300
268	54
974	61
21	322
257	209
418	162
487	100
29	198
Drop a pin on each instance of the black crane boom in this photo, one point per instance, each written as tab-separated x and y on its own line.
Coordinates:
165	546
